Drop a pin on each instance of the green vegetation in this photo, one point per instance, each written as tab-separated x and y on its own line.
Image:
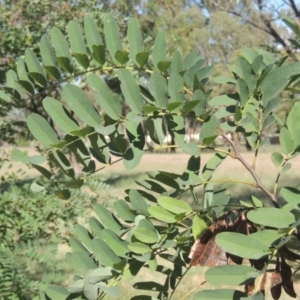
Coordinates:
104	97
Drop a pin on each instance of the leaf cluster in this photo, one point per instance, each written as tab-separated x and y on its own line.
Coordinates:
153	222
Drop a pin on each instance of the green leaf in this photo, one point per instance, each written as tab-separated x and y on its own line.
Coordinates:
122	57
18	155
176	63
124	211
134	39
157	130
63	194
49	58
150	286
241	245
76	245
76	287
190	105
291	195
60	115
244	71
142	58
104	253
110	291
163	65
175	87
13	88
159	52
35	70
84	235
280	218
41	130
161	214
166	178
277	159
112	36
24	80
224	80
105	97
286	141
61	47
101	274
4	97
56	292
199	226
145	235
81	105
269	120
256	202
286	167
293	123
191	149
230	275
80	262
249	54
223	100
209	130
139	248
292	24
78	46
138	202
243	91
158	89
114	242
257	64
173	205
94	40
267	236
62	162
222	294
271	106
96	227
36	187
132	157
107	218
131	91
271	91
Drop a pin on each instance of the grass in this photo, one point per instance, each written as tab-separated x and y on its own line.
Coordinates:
229	170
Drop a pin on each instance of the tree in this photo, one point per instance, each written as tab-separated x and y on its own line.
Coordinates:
264	16
155	221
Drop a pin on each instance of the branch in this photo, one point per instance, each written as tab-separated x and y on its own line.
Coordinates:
269	28
249	168
295	9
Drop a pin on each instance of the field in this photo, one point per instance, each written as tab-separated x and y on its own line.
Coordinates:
230	169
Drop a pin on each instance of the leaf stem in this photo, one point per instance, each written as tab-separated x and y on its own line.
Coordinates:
179	280
192	291
260	128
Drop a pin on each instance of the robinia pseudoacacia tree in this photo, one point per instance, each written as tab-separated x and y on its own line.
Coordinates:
243	243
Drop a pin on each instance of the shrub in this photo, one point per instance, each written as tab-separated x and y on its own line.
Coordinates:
154	221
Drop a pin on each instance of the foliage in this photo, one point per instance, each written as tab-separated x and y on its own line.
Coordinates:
32	226
155	221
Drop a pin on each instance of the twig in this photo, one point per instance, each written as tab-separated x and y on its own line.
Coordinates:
249	168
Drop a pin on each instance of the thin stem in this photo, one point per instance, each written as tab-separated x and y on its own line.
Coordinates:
185	272
260	128
201	147
194	196
278	176
249	168
192	291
